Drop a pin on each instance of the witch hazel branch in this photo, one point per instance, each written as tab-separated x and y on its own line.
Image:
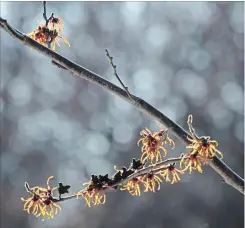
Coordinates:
145	174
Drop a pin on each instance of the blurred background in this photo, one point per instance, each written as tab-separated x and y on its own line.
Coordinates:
181	57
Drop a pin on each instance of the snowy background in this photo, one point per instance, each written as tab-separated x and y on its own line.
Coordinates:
181	57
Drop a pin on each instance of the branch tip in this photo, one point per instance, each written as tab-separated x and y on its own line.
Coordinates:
117	76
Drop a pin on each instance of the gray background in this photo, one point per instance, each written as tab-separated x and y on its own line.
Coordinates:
181	57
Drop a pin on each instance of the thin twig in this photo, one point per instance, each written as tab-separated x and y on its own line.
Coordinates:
47	20
115	73
45	12
230	177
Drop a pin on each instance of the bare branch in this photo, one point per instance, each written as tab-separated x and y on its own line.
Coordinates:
115	73
229	176
45	14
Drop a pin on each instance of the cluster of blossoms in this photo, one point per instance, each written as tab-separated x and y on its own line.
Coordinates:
132	179
48	33
153	145
41	201
202	150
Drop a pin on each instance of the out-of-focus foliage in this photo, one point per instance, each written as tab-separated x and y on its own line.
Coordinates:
182	57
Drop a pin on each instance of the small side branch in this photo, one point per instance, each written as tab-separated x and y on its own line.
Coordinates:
115	73
45	14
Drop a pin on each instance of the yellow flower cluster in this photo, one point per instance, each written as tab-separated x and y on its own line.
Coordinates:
202	150
40	203
132	187
92	194
152	180
152	145
49	34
